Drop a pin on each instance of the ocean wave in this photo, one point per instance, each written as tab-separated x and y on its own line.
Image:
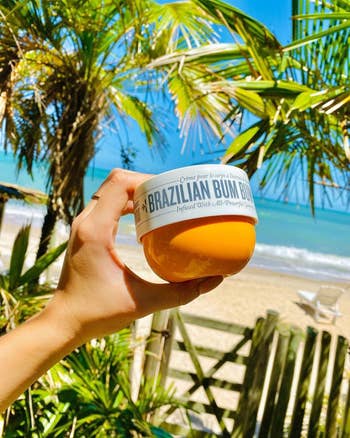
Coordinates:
288	259
22	213
302	261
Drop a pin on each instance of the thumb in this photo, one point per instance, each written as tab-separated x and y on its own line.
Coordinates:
207	284
165	296
186	292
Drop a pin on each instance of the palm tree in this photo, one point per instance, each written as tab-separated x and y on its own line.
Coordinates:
68	67
298	96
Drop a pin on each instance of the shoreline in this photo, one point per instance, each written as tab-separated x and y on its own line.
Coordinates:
280	258
241	298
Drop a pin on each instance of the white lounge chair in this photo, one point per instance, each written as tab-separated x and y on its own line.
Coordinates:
324	302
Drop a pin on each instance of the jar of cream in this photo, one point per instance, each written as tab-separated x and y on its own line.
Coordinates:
196	221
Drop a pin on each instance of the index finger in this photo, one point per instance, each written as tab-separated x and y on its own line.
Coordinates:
114	195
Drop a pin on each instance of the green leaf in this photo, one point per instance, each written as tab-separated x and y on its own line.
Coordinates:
245	139
207	54
4	281
310	99
187	22
277	87
251	101
316	36
41	264
257	53
324	16
140	112
18	256
160	433
50	421
224	12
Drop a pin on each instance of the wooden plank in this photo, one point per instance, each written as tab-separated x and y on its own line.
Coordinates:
317	401
218	365
337	377
155	345
345	433
239	426
203	408
303	383
193	354
192	377
216	324
275	380
232	355
227	356
286	383
254	377
168	343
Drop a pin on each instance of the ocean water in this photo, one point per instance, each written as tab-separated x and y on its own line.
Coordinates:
289	239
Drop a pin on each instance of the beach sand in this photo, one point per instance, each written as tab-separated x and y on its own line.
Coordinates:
242	298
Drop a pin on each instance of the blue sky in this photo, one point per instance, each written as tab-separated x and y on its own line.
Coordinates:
276	16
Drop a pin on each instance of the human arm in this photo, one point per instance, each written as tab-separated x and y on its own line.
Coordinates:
96	295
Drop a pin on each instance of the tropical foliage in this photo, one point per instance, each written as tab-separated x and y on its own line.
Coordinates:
89	394
19	299
297	98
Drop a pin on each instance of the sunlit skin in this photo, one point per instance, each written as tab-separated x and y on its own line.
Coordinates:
96	295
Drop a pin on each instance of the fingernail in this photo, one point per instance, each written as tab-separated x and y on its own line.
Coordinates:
209	283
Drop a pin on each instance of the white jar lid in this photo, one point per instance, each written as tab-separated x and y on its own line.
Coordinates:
192	192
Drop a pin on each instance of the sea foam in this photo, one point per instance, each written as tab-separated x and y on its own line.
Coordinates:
301	261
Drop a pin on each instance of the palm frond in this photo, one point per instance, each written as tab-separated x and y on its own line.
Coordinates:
185	22
230	16
33	273
208	54
18	256
139	111
314	37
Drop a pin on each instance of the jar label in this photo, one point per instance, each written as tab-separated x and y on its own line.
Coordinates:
190	193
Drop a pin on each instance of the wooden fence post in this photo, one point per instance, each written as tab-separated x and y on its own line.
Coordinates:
338	369
346	416
275	381
155	345
320	386
168	343
286	383
254	378
303	384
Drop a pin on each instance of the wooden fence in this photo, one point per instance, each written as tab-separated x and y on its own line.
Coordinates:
294	383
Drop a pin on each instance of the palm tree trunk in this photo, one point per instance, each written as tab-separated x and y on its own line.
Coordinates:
47	229
3	200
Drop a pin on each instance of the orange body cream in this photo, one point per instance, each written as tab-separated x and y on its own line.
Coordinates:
196	221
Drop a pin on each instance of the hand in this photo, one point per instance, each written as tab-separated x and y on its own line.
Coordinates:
97	293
